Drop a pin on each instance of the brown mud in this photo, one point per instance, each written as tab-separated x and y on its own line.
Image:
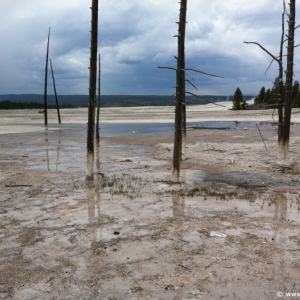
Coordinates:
135	235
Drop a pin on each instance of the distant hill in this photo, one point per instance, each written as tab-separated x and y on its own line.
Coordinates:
112	100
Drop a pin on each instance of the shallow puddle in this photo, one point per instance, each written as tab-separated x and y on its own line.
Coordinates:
133	234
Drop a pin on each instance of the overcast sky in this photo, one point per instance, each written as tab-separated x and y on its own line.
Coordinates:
134	37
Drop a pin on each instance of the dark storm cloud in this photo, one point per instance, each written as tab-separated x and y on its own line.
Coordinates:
134	37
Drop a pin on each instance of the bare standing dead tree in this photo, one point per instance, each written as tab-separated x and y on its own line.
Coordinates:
45	86
92	92
183	156
180	110
55	93
289	81
284	118
98	108
180	77
97	122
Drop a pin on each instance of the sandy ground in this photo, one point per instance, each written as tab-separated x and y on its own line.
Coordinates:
135	235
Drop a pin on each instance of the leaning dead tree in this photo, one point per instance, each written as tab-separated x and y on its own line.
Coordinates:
284	117
179	152
92	92
45	86
55	93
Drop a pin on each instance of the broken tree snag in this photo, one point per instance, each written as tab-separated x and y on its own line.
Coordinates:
280	79
97	125
45	86
98	108
179	93
278	84
289	82
92	93
55	93
183	154
184	132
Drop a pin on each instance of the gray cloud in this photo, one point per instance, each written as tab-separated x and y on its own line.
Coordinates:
134	37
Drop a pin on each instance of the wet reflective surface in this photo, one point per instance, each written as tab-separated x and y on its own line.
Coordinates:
133	235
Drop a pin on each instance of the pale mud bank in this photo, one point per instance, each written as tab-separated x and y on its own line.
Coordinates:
31	121
133	234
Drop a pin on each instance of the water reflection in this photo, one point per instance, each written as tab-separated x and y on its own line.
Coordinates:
97	183
57	155
97	146
47	151
280	215
90	196
178	214
93	206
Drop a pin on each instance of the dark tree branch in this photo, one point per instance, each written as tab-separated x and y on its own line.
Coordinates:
191	84
172	96
262	137
263	48
186	70
168	68
203	73
188	74
269	66
201	97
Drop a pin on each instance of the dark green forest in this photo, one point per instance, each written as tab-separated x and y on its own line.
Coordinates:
22	105
266	98
33	101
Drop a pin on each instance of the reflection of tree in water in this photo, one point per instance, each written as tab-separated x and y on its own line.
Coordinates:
57	155
90	195
280	216
47	151
93	198
93	201
94	263
178	214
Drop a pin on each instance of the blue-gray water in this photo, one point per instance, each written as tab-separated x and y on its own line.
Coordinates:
123	129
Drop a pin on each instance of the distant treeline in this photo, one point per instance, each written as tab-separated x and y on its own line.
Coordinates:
23	105
27	101
269	98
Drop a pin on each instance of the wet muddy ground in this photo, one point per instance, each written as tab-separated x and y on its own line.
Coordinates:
229	230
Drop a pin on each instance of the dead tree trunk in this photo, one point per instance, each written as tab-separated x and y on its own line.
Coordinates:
45	87
98	108
278	86
284	148
184	119
179	151
57	107
97	122
179	93
92	92
280	81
